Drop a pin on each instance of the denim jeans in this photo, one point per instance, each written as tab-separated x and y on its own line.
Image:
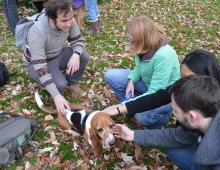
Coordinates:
92	10
117	80
182	157
11	13
156	118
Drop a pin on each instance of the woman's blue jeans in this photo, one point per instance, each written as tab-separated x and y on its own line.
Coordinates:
11	13
92	10
117	80
182	157
156	118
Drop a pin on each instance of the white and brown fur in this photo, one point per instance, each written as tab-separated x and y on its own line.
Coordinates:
96	126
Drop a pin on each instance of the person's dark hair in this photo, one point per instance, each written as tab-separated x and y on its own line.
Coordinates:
53	7
201	93
202	62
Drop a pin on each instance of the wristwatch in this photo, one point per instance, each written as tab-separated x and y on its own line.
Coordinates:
130	79
77	52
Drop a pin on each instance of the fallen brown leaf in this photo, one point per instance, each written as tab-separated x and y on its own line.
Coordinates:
137	152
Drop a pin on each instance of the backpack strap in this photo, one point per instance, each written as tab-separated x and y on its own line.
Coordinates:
42	12
35	146
40	25
4	114
20	151
41	28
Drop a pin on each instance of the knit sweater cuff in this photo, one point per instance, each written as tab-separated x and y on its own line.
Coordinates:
52	89
78	49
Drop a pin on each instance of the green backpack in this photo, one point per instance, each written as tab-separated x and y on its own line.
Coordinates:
15	134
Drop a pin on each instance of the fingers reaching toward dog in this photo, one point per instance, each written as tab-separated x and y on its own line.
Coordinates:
122	131
61	104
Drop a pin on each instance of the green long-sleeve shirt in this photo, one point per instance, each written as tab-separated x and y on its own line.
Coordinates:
159	72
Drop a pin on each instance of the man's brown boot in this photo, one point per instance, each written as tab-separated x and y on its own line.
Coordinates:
76	90
94	28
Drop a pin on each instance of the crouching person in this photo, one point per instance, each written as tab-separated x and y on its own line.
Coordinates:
47	57
196	104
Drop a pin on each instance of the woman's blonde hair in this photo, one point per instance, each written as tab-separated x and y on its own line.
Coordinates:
146	34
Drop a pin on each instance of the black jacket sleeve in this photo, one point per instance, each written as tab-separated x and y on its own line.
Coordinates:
148	102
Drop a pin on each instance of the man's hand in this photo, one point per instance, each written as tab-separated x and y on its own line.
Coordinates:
73	64
130	88
122	131
61	104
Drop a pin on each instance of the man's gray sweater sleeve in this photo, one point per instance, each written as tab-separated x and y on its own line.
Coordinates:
169	137
76	39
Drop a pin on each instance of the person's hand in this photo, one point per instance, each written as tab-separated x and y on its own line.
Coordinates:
122	131
73	64
112	110
130	88
115	109
61	104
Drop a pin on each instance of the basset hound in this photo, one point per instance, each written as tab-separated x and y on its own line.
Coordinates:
95	126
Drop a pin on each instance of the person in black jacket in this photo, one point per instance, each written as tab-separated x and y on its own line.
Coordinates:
199	62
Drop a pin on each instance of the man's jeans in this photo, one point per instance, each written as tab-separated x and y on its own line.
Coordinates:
92	10
11	13
117	80
182	157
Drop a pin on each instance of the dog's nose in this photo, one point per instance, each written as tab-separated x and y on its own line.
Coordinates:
111	143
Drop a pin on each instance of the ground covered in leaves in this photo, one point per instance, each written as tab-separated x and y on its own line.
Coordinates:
189	24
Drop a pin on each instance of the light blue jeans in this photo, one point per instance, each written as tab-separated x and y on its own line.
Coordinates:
182	157
156	118
117	80
92	10
11	13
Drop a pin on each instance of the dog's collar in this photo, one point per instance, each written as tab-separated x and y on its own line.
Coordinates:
83	121
78	125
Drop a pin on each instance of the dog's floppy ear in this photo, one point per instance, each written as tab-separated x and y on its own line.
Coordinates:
118	143
97	145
